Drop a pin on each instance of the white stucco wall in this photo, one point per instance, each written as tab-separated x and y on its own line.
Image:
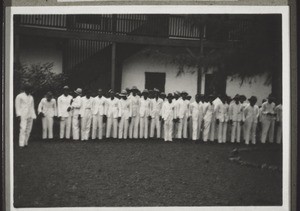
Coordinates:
134	68
34	50
256	87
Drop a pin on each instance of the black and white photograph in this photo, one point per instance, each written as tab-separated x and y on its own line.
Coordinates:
139	108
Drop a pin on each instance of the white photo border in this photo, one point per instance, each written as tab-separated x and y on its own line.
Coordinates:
158	9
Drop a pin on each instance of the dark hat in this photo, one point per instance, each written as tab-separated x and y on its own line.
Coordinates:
184	93
237	96
170	95
242	97
271	97
252	99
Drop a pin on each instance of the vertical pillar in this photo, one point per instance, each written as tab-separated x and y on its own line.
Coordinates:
113	65
17	48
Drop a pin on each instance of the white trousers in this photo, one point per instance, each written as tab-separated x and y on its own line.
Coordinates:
222	132
155	124
97	126
279	133
112	126
86	125
144	127
75	127
47	125
236	132
250	132
180	126
212	130
206	130
25	129
123	128
195	132
168	129
190	128
134	127
65	127
267	130
175	129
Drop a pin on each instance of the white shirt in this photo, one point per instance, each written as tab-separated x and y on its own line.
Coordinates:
278	110
267	108
209	112
63	103
24	105
76	105
155	107
112	108
48	108
98	106
235	112
86	104
125	108
144	107
251	113
196	110
222	112
168	111
135	101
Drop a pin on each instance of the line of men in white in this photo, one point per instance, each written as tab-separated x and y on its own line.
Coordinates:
133	113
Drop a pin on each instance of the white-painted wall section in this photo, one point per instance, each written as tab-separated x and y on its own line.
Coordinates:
134	69
34	50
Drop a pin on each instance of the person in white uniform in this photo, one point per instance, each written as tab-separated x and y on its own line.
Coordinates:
278	111
125	113
195	109
168	115
144	113
134	124
176	111
268	120
189	121
209	112
86	115
47	110
221	119
112	113
24	104
244	104
64	113
250	118
186	115
155	113
235	116
164	99
75	107
98	111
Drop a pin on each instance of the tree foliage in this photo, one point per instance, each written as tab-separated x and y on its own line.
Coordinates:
40	77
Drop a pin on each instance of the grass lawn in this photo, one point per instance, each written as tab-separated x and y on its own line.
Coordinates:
142	173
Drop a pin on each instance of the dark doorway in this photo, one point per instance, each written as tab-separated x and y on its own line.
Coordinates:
155	80
215	84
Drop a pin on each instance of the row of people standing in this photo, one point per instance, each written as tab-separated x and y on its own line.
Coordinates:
135	114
